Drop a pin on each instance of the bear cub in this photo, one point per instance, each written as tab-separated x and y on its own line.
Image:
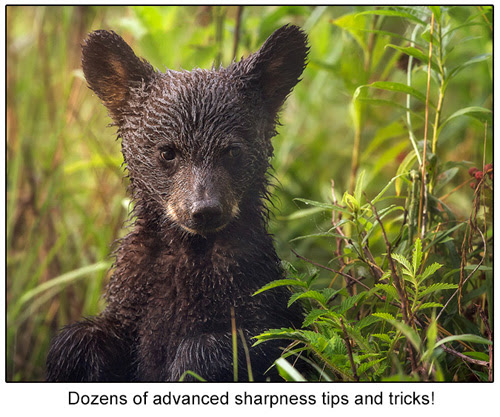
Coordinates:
197	147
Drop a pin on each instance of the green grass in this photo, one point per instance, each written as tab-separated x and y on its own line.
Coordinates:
66	192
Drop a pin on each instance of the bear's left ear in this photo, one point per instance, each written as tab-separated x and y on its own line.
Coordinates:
277	65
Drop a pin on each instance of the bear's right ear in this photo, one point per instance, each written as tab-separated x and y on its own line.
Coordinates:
111	69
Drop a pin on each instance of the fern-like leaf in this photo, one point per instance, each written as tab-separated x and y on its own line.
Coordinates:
404	263
430	305
314	295
417	256
389	290
429	271
436	287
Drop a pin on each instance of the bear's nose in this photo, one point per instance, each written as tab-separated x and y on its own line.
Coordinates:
206	212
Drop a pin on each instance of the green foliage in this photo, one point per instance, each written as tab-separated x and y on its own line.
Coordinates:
404	257
358	116
374	341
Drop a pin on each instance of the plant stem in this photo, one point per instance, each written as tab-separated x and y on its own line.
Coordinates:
442	88
235	345
408	100
355	157
349	350
358	111
422	210
399	287
239	12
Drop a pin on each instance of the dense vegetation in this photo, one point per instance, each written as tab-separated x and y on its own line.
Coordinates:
383	205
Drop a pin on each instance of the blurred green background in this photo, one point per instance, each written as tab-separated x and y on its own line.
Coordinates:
66	192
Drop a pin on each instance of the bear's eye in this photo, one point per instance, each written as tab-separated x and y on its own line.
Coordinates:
168	154
233	152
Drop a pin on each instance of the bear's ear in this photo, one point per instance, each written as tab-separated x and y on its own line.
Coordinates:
111	69
278	64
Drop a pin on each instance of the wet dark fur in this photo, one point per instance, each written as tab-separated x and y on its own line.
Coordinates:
197	147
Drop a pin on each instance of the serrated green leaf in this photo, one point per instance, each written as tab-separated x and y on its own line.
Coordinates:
361	358
410	334
382	336
282	333
316	340
281	283
329	293
367	365
417	256
336	346
388	289
430	270
440	286
385	316
366	321
350	302
314	295
404	263
430	305
314	315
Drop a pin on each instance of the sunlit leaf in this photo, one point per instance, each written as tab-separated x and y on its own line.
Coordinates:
429	271
480	113
281	283
418	54
417	256
394	86
430	304
437	11
404	169
394	13
469	338
439	286
351	23
287	371
475	60
410	334
313	295
404	262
